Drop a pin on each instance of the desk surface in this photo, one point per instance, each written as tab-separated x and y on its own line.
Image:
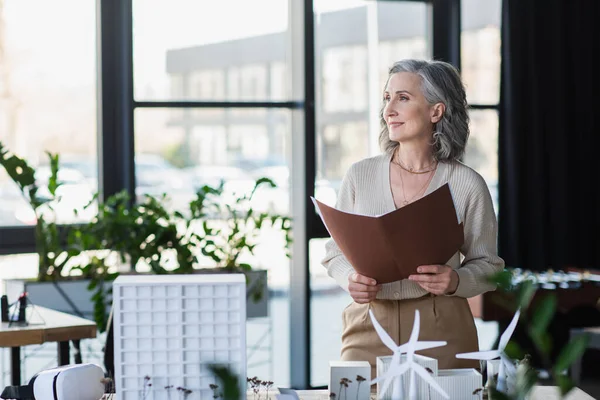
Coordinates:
539	393
46	325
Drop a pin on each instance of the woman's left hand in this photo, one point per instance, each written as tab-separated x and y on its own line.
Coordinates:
436	279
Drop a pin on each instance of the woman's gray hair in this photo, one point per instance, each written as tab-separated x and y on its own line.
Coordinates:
440	83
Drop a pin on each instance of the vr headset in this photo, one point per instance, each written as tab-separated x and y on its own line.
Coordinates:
70	382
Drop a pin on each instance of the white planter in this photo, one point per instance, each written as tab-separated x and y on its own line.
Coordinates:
351	370
383	363
257	280
77	298
459	384
71	297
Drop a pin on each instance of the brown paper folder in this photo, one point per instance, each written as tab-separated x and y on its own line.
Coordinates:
390	247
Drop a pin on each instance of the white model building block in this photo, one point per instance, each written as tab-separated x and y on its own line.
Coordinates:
464	383
492	370
430	364
167	328
349	380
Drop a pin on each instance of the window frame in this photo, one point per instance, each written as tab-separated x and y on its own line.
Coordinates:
116	150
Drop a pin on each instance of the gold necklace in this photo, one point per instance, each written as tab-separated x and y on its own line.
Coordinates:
419	191
411	170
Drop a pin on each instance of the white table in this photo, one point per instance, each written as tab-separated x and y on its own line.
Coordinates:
539	393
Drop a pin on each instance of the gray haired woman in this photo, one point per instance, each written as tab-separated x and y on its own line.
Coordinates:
424	131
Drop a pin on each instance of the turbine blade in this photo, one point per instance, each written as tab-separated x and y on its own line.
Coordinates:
480	355
395	372
429	345
402	348
386	384
414	336
395	361
501	384
398	388
509	366
509	331
429	379
383	335
395	358
412	390
400	369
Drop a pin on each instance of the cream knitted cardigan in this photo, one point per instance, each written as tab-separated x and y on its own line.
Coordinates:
366	190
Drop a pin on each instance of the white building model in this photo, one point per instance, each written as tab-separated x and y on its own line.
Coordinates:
168	328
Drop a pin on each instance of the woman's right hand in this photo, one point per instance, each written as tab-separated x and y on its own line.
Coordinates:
362	289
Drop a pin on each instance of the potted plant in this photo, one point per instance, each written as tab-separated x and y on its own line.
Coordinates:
56	286
47	235
128	237
228	232
534	319
51	286
147	234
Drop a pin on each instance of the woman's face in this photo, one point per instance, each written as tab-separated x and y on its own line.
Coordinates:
407	113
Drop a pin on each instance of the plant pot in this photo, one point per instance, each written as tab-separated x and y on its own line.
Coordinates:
69	296
257	290
73	296
257	294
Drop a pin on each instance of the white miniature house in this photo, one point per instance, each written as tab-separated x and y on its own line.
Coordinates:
167	328
349	380
462	383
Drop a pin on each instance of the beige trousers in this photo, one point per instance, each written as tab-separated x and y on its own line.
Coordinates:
442	318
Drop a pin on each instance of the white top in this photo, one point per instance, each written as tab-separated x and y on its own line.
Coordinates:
179	279
366	190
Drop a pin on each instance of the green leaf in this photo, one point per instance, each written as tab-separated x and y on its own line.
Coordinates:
245	266
92	285
514	351
21	174
543	313
571	352
564	383
228	381
496	395
111	276
53	183
503	279
525	294
542	340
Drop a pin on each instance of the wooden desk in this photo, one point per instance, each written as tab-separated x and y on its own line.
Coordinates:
45	325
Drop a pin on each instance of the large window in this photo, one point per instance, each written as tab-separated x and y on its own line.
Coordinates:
48	100
211	90
210	54
480	59
356	45
225	50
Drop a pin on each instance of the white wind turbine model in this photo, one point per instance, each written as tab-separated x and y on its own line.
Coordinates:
507	367
397	369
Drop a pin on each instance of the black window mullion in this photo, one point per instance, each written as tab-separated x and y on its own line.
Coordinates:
446	31
484	106
116	171
17	240
310	133
218	104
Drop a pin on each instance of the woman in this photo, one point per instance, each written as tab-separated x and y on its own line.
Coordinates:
424	123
